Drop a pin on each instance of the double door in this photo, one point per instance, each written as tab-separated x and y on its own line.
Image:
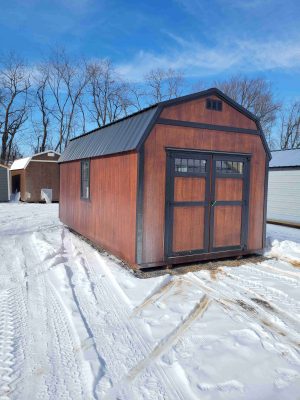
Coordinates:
206	202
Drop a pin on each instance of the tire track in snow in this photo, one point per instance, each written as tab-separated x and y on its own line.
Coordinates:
117	315
55	368
12	343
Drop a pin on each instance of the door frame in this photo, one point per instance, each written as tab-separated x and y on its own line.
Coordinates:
244	203
210	175
170	204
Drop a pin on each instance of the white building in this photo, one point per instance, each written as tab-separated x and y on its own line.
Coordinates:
284	187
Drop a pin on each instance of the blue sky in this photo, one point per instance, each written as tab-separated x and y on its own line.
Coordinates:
208	40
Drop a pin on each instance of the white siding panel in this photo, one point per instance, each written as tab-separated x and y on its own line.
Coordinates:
284	196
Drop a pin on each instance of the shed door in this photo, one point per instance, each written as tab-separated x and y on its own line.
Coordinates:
229	203
206	203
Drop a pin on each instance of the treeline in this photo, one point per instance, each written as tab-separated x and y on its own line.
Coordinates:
46	105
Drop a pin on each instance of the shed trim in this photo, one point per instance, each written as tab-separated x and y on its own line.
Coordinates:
139	207
189	124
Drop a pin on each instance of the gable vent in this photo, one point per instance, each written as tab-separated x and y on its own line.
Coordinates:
212	104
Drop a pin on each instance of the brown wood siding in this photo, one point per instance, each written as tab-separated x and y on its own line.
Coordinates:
188	228
41	175
229	189
163	136
196	111
189	189
227	226
109	217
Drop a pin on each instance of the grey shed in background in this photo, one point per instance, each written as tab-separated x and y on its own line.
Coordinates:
284	187
4	183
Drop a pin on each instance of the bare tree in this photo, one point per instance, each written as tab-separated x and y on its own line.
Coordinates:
137	95
67	82
14	86
110	95
164	84
290	127
256	95
42	110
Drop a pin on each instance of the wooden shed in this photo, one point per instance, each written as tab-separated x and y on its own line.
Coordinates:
4	183
31	175
182	181
284	187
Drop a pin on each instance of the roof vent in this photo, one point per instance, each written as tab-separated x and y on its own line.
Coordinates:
212	104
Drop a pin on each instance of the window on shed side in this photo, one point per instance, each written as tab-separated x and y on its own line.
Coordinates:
85	179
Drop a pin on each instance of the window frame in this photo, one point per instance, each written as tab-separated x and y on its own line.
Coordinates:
214	104
82	197
190	169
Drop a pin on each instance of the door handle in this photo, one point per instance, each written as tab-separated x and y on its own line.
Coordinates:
212	203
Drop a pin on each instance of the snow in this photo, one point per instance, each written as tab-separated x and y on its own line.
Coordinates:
20	164
75	325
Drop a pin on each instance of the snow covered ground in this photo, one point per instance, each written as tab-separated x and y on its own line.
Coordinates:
75	325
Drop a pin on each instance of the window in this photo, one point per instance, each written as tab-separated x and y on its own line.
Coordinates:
212	104
229	167
190	165
85	179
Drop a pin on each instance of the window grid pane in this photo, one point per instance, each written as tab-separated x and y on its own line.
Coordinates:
190	165
229	167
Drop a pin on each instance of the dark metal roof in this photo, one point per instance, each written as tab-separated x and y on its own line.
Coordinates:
129	133
117	137
285	158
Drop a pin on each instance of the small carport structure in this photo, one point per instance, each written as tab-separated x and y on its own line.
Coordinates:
284	187
4	183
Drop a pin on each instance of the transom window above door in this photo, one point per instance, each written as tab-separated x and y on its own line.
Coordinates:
190	165
229	167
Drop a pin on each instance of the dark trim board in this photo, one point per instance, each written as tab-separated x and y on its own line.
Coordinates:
227	153
198	258
139	206
149	128
265	203
223	128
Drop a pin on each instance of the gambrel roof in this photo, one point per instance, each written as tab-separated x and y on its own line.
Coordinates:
129	133
22	163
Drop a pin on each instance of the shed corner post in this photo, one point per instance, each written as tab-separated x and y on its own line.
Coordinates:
265	201
139	205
